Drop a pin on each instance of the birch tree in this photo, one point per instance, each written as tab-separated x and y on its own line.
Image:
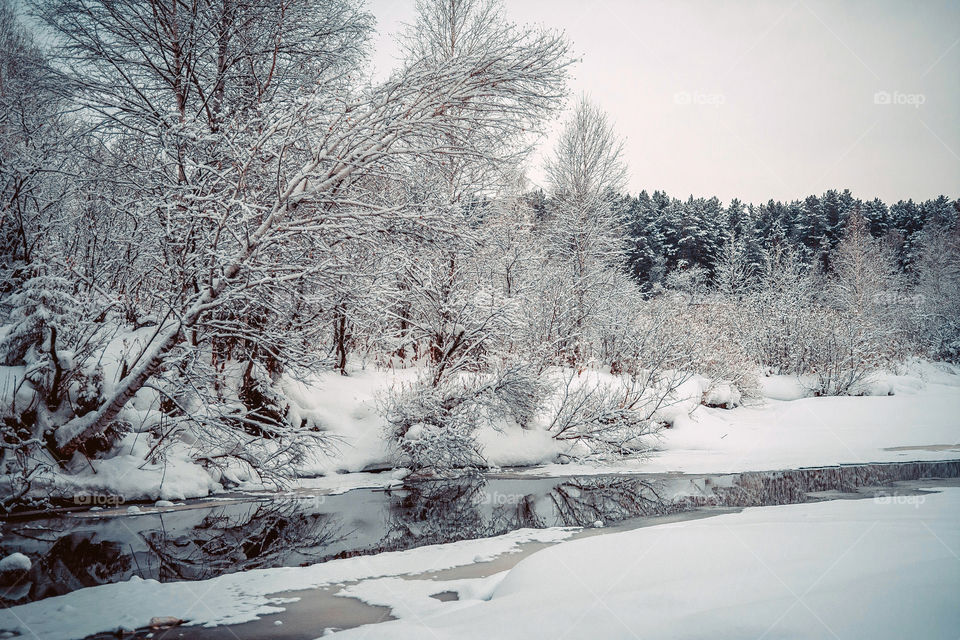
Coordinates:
586	173
937	299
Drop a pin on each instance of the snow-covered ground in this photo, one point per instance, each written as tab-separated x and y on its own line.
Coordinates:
913	416
919	421
885	567
880	568
239	597
782	429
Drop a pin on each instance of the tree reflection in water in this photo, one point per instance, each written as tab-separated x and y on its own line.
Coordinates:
267	534
450	510
75	561
69	553
582	502
235	537
437	511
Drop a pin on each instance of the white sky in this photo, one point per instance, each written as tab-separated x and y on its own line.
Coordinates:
762	99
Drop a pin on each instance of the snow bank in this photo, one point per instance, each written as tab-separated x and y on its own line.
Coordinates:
882	568
15	562
343	482
347	407
127	476
239	597
786	387
921	421
784	429
412	598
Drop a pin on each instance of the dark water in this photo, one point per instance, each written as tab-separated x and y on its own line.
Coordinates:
208	538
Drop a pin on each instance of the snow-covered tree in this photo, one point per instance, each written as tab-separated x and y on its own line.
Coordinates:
585	233
50	335
937	295
261	150
35	154
864	271
734	274
775	319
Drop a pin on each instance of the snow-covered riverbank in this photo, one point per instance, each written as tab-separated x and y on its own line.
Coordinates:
913	416
238	597
879	568
885	567
919	420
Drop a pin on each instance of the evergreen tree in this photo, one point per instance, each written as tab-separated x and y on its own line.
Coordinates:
907	219
940	212
877	215
736	217
645	241
814	225
734	273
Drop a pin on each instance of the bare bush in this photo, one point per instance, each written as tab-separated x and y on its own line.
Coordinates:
434	424
605	417
935	305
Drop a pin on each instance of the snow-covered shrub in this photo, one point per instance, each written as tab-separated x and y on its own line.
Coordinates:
639	351
774	320
708	340
855	330
52	336
936	300
463	327
721	395
22	471
841	348
846	351
838	326
433	429
606	415
687	281
434	425
652	347
235	418
718	353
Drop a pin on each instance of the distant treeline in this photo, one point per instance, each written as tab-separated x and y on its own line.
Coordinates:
666	233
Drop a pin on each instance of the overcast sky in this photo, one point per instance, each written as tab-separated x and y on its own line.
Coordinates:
763	99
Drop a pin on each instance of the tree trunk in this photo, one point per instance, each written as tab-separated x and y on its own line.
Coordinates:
73	433
340	338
